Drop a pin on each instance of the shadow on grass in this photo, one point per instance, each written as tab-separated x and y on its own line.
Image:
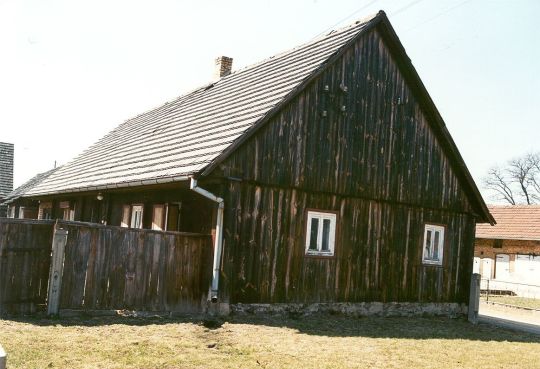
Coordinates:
420	328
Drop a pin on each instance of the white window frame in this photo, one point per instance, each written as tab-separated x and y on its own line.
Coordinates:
11	211
321	216
428	250
135	209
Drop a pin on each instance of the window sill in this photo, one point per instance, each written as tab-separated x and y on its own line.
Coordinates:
325	255
431	263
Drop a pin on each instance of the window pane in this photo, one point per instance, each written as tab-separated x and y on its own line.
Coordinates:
136	216
125	216
158	217
436	246
326	235
313	233
428	245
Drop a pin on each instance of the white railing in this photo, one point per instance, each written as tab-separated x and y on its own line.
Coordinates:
494	287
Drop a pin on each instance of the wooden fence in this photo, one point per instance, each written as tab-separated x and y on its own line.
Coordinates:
25	253
117	268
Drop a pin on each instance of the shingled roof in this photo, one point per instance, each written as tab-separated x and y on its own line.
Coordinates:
194	133
514	222
183	136
27	186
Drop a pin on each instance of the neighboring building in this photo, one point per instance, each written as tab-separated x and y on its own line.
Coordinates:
22	207
510	251
6	174
325	173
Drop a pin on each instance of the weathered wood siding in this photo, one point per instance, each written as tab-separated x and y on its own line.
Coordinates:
119	268
25	250
381	147
378	162
377	255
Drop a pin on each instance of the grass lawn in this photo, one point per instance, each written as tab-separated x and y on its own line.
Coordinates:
515	301
265	342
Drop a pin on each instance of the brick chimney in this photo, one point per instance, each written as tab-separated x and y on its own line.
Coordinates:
6	173
223	66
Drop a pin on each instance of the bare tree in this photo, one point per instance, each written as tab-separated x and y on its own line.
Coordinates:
534	178
497	182
517	182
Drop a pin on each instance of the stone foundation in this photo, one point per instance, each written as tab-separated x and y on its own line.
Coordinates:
402	309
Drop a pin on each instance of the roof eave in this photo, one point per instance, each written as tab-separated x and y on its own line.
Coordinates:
109	186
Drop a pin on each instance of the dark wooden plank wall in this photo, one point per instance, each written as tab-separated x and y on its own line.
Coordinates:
379	163
119	268
25	249
377	257
381	147
196	212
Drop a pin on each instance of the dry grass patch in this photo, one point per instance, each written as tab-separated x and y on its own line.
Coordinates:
265	342
515	301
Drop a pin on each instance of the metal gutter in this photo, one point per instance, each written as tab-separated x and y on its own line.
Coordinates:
135	183
218	241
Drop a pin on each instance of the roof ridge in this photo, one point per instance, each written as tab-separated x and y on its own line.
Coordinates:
201	88
357	23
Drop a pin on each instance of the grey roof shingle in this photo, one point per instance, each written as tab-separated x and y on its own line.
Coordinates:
183	136
27	186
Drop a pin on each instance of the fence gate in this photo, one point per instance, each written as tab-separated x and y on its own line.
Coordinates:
25	248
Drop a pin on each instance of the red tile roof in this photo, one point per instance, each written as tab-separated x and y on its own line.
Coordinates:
519	222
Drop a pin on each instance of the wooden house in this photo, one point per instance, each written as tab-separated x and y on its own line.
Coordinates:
325	173
21	207
510	251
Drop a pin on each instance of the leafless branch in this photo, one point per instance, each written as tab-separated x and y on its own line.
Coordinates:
495	181
518	181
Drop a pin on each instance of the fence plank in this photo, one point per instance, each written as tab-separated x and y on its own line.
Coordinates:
104	267
119	268
57	267
24	264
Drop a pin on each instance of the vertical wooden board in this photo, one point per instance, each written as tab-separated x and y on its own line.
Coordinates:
89	282
80	253
117	258
160	274
102	272
69	265
153	257
130	267
169	282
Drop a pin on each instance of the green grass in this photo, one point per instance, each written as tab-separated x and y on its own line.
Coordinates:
515	301
265	342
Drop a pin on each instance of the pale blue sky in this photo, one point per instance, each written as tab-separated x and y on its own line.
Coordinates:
70	71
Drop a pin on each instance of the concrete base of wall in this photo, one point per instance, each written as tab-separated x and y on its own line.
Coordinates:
403	309
356	309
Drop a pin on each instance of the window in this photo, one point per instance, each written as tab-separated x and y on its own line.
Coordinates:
68	211
158	217
433	244
45	210
320	233
137	216
173	216
27	212
11	211
126	216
